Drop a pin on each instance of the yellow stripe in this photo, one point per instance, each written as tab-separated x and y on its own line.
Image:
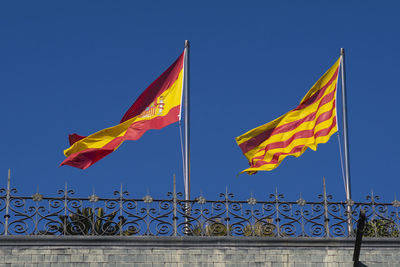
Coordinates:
323	80
311	142
303	126
269	167
171	97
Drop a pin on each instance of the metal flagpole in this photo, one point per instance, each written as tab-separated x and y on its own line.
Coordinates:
346	140
187	121
345	132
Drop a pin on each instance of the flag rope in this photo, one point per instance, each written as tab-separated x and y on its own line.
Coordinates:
341	161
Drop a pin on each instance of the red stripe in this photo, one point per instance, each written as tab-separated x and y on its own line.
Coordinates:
257	140
275	157
318	94
301	134
298	148
88	157
155	89
137	129
73	138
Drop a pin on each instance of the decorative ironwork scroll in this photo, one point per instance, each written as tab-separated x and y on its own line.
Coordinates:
66	214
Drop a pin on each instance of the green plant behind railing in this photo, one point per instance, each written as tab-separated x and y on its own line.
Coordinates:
212	228
380	228
90	221
260	228
217	228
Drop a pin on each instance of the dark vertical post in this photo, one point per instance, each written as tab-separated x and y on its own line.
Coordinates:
65	209
326	217
277	219
174	206
7	215
227	212
359	235
121	195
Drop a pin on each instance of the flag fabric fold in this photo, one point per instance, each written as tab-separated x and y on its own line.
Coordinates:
306	126
158	106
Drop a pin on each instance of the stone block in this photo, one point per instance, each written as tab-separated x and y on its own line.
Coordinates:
331	259
141	258
64	258
41	251
85	251
127	258
166	258
277	258
232	258
5	251
115	258
59	251
344	258
115	251
79	264
58	264
259	258
17	250
316	258
11	259
124	265
25	258
37	258
77	258
162	257
142	264
50	258
95	258
237	264
96	251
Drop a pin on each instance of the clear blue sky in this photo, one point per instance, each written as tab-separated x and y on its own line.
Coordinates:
77	66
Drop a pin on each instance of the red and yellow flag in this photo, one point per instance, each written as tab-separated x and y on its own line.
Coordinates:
158	106
311	123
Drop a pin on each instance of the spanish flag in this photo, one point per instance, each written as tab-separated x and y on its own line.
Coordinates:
158	106
311	123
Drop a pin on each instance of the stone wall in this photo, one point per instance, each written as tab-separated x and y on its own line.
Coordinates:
193	251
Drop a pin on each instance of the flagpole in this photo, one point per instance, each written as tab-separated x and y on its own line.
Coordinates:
346	144
345	131
187	121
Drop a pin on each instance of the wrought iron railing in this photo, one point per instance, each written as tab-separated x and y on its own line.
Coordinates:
66	214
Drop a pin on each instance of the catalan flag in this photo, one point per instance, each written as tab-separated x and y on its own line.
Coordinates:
311	123
158	106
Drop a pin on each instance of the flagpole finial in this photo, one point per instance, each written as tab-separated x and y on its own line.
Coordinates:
186	43
342	51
